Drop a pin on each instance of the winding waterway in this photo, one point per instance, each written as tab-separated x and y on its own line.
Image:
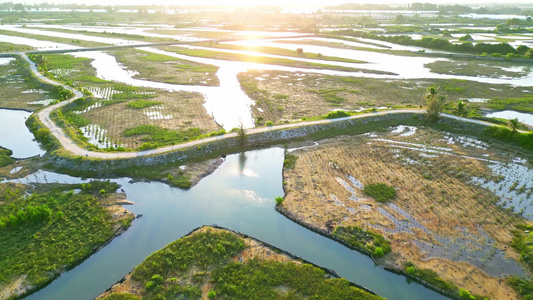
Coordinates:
238	195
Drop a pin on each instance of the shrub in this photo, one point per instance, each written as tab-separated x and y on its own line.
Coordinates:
466	294
380	191
290	161
337	114
378	252
269	123
279	200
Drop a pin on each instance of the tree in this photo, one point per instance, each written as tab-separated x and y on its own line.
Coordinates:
435	104
460	109
41	61
513	124
242	137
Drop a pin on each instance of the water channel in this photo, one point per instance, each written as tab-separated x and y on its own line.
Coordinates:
15	136
238	195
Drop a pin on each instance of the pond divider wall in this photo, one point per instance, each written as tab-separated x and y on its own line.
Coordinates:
229	145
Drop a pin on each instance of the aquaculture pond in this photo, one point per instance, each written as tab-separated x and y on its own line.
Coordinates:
239	195
511	114
15	136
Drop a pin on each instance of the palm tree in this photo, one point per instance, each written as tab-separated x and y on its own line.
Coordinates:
41	61
513	124
460	109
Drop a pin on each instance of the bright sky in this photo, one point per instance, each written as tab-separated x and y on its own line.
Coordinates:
263	2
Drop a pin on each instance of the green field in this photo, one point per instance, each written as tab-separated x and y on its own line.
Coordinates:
53	229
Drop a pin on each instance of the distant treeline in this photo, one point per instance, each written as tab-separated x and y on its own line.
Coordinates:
501	49
443	9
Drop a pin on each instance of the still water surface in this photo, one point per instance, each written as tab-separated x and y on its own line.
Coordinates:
15	136
238	195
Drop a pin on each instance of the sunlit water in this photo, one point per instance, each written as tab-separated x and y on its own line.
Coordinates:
511	114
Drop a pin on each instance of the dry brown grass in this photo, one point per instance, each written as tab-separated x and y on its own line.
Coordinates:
307	94
307	98
436	193
186	111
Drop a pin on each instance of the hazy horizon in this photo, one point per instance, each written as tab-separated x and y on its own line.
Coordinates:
244	3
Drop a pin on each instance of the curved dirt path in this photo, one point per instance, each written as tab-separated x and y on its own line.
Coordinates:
69	145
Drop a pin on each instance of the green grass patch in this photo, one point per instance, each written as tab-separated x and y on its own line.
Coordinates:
331	95
5	157
155	136
337	114
524	140
260	279
9	47
524	104
431	277
44	233
523	243
122	296
380	192
290	161
139	104
362	239
182	181
42	134
522	286
209	254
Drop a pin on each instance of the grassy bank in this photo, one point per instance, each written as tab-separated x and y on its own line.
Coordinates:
524	104
163	68
51	231
54	39
263	60
5	157
279	51
218	264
